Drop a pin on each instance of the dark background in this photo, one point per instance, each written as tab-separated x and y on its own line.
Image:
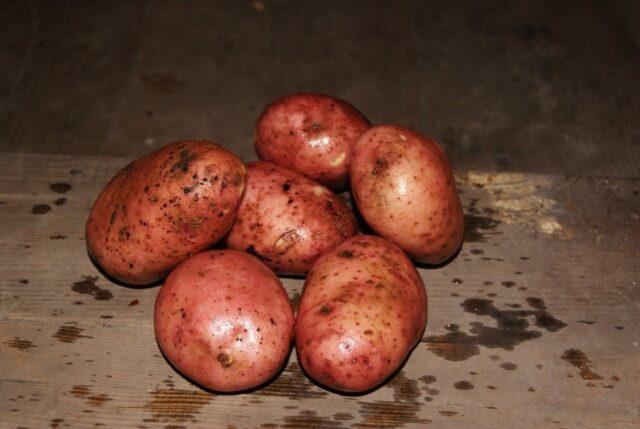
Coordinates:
539	86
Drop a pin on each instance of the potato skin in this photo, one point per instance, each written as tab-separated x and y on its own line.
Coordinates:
404	188
312	134
363	309
223	319
287	219
164	207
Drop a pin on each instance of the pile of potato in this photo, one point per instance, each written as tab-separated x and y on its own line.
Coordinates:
222	317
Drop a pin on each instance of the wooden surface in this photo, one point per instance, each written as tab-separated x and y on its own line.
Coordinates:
539	86
534	324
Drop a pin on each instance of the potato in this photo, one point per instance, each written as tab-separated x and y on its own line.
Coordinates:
287	219
311	134
223	319
404	188
164	207
363	309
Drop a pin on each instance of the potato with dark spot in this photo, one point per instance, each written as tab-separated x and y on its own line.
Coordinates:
287	219
312	134
363	309
223	319
405	190
163	208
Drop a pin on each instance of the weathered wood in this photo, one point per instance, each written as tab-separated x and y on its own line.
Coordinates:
534	324
502	85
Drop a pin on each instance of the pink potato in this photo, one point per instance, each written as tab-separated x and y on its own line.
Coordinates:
312	134
363	309
287	219
404	188
163	208
223	319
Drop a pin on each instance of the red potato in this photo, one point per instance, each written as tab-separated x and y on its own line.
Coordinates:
223	319
287	219
404	188
363	309
312	134
163	208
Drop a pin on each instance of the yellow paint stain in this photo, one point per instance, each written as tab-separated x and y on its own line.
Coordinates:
517	199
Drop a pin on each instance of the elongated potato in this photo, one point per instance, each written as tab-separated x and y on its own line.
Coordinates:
287	219
223	319
363	309
312	134
164	207
403	186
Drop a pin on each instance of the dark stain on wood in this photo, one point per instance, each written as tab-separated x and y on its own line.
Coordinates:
69	334
307	419
454	346
41	209
578	359
342	417
512	329
58	237
80	391
536	303
292	384
403	410
20	344
84	392
509	366
98	400
61	201
60	187
55	423
463	385
176	405
447	413
295	301
477	225
452	327
428	379
88	287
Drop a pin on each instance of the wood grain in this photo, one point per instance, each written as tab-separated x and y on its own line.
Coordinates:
544	86
533	324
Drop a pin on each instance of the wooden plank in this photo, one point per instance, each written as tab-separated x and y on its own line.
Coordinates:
534	324
508	85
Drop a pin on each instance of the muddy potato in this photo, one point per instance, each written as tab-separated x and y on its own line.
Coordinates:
363	309
287	219
164	207
312	134
404	187
223	319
